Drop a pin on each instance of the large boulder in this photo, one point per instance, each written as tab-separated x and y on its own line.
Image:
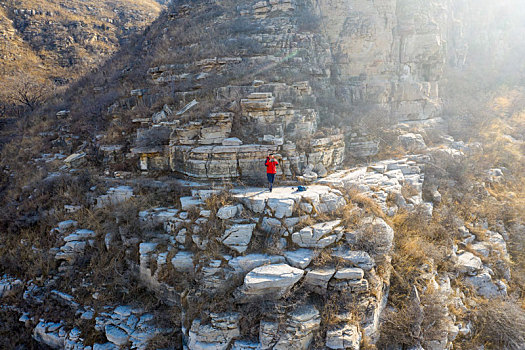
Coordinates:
238	237
270	281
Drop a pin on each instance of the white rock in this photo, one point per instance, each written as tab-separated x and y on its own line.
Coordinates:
106	346
300	327
482	248
238	237
205	213
300	258
183	261
75	159
10	286
281	207
146	248
245	345
272	225
317	280
343	337
88	315
244	264
485	287
383	234
228	212
181	236
116	335
66	225
232	141
468	263
114	196
357	258
413	142
349	273
80	235
46	333
316	236
217	335
497	241
331	201
271	279
123	311
108	239
306	207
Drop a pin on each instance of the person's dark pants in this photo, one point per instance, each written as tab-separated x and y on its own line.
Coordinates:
271	178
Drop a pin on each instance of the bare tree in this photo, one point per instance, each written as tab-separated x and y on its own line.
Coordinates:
28	91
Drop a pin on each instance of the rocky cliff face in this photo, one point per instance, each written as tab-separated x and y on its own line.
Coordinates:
304	66
300	66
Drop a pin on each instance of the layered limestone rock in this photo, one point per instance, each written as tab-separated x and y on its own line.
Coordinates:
266	127
406	40
293	229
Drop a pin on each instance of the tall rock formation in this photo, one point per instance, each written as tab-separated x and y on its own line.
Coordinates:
278	72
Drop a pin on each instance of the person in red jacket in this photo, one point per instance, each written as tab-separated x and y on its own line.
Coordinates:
271	163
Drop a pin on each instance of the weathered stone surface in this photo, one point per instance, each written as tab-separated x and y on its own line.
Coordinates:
245	345
270	281
80	235
75	160
183	262
114	196
244	264
47	333
10	286
468	263
319	235
356	258
281	207
349	273
66	225
343	337
229	211
233	141
272	225
413	142
300	327
485	286
300	258
238	237
116	335
317	279
188	203
376	229
223	328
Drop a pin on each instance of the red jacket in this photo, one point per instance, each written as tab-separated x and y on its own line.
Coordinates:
270	166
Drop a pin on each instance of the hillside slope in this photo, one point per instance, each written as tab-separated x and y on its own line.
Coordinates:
134	207
52	43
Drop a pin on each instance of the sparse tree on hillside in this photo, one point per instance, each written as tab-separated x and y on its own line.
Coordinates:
28	91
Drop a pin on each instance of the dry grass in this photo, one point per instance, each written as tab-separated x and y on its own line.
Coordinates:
498	324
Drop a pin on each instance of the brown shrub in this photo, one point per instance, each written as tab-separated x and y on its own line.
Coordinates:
499	324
